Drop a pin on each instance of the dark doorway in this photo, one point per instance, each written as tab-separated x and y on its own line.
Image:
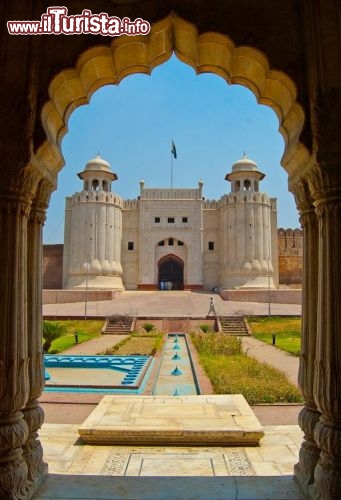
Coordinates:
171	270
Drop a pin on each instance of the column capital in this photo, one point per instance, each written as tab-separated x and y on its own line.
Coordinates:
324	183
19	192
303	198
41	201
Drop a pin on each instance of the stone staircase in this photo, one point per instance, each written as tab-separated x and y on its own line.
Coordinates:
118	325
233	325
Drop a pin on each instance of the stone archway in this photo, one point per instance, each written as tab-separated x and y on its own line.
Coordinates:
206	52
171	269
98	66
30	168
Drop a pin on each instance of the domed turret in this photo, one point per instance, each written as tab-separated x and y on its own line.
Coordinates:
93	232
248	218
245	175
97	175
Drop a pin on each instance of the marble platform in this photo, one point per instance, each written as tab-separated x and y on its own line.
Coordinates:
217	420
87	472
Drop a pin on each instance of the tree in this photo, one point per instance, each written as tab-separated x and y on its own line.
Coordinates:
51	332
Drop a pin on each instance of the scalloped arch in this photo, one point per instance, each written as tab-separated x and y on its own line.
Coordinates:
207	52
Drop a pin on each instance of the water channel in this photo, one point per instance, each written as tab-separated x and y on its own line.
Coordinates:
176	375
124	374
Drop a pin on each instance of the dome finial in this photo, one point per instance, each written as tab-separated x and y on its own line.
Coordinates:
244	155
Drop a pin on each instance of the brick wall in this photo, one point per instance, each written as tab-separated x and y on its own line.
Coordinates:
290	256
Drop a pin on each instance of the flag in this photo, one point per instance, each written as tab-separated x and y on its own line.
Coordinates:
173	150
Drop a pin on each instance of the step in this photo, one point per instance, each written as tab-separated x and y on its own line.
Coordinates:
233	326
118	327
206	420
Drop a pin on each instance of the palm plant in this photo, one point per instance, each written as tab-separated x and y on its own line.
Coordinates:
51	332
149	327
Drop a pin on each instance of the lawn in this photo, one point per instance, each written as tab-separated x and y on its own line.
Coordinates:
145	344
233	372
286	329
86	330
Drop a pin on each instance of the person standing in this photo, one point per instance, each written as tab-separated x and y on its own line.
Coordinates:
212	308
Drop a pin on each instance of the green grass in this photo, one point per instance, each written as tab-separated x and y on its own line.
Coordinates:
233	372
287	330
86	330
145	344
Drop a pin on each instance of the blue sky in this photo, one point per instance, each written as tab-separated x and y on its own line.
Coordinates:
132	126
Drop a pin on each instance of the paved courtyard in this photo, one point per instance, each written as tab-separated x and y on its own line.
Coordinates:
167	303
81	471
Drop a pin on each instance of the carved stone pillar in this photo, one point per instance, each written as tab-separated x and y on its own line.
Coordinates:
309	416
327	381
14	211
33	413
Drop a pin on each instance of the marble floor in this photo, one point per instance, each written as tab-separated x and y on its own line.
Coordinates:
81	471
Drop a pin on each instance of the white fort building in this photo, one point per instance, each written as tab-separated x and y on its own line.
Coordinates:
171	238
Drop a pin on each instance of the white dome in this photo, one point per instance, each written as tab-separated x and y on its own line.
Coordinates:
245	164
97	164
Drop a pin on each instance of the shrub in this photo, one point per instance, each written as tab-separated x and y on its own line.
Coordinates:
149	327
205	328
216	343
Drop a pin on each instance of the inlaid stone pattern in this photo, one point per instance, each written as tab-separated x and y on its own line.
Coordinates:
238	463
116	463
199	463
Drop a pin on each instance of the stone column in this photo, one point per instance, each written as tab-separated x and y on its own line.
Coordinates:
309	416
14	381
33	413
326	186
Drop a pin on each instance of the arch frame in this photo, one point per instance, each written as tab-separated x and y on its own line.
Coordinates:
205	52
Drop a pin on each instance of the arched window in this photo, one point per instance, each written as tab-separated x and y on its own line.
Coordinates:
94	185
105	185
237	186
247	185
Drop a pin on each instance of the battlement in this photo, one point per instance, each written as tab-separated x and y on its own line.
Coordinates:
170	194
95	196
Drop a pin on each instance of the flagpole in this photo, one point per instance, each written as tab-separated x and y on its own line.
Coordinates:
173	155
171	170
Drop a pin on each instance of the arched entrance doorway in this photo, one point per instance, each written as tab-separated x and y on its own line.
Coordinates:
171	270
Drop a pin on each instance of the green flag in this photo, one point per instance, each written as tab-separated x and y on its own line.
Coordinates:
173	150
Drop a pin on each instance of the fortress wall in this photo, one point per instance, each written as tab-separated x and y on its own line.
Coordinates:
290	256
290	251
